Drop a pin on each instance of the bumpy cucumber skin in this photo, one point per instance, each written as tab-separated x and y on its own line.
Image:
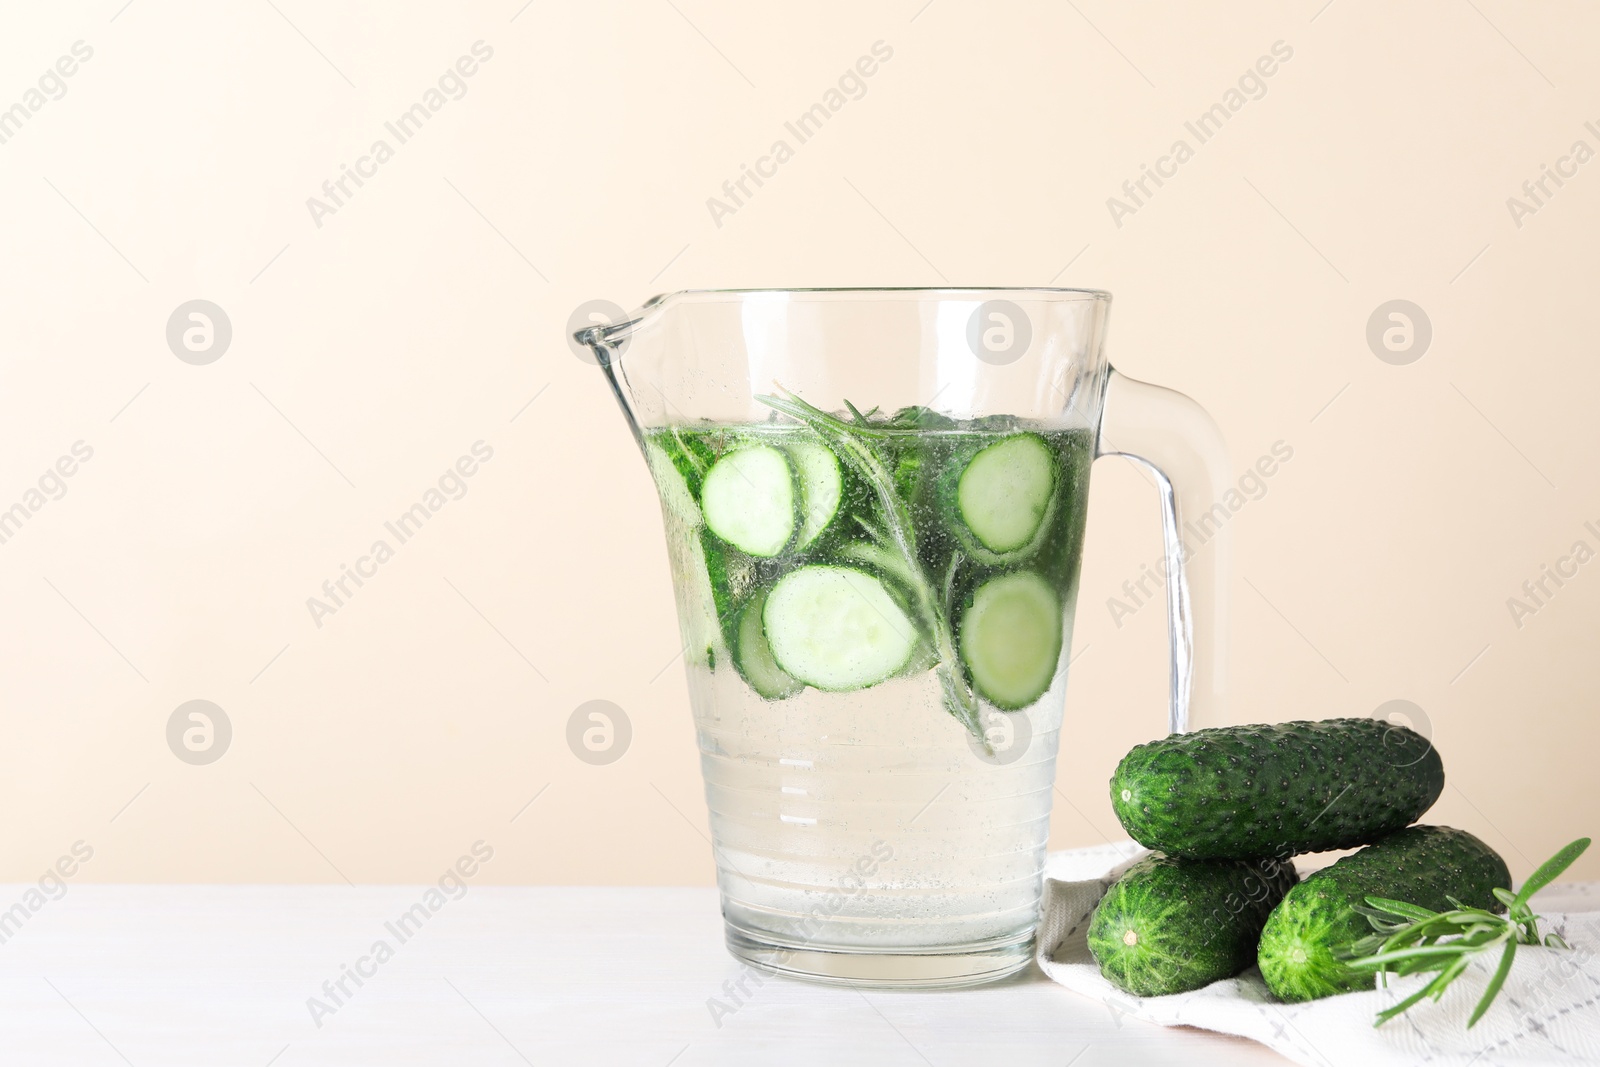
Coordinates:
1275	790
1192	922
1422	865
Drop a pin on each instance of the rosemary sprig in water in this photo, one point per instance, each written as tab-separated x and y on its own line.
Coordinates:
1413	940
852	442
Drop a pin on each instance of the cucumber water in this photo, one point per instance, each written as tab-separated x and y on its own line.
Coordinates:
842	552
874	502
875	611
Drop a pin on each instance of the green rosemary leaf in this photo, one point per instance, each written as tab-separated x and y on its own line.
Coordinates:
1447	942
852	443
1412	1000
1384	905
1383	959
1367	946
1551	869
1495	983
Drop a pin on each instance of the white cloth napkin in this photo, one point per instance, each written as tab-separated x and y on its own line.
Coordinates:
1547	1013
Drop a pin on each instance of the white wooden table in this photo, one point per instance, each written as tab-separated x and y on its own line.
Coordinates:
213	975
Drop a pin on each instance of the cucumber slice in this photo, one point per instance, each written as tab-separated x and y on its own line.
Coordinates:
1005	491
1011	639
753	656
883	563
693	585
734	577
837	628
878	560
821	487
748	500
676	498
687	451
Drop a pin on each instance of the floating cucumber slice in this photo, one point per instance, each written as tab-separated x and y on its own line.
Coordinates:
821	487
734	577
878	560
748	500
676	497
1011	639
688	453
1005	491
891	565
753	656
837	628
696	591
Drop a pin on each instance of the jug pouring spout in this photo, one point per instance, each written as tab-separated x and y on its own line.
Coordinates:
602	342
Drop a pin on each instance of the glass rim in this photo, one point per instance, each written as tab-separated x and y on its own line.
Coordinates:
600	334
951	290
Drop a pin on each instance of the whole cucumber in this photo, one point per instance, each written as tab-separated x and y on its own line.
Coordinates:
1275	790
1171	925
1300	950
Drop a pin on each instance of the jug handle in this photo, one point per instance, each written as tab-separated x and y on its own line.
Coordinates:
1178	442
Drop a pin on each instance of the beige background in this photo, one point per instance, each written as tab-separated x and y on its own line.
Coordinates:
426	315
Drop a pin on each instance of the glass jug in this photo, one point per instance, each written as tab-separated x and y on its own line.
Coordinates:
874	502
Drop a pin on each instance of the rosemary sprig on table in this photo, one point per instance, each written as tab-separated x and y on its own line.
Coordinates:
1413	940
853	443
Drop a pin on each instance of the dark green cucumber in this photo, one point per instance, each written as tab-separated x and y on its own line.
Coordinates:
1301	946
1171	925
1275	790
